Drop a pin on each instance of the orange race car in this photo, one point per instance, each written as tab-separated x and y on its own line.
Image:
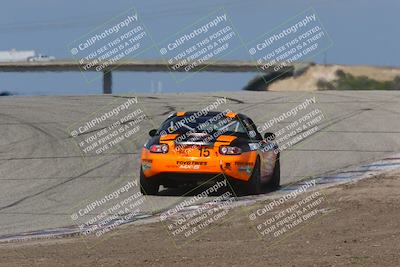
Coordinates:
194	147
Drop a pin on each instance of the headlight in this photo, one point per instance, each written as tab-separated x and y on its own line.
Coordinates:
163	148
230	150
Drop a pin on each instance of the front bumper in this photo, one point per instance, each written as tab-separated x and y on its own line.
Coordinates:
238	167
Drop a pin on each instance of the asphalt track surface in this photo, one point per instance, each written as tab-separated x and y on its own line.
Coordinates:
45	177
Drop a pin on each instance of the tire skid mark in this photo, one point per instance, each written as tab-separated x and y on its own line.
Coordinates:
13	204
67	157
354	174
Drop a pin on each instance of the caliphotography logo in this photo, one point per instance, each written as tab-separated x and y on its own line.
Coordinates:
205	133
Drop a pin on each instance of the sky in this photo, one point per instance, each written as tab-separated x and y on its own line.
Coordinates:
361	32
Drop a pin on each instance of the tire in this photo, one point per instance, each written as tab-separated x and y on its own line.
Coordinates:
148	186
253	186
275	181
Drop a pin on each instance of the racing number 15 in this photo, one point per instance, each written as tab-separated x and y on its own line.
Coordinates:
204	152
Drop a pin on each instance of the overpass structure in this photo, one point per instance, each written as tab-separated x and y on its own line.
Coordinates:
145	66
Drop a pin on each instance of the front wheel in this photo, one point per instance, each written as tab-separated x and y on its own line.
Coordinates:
148	186
275	181
253	185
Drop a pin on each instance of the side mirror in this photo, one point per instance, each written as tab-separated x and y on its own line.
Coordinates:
269	136
152	132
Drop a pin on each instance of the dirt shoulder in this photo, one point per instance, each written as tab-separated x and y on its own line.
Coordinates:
308	80
361	227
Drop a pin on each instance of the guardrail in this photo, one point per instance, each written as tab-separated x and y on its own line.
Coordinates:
137	65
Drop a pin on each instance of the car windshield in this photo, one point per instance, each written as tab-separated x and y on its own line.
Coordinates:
208	124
